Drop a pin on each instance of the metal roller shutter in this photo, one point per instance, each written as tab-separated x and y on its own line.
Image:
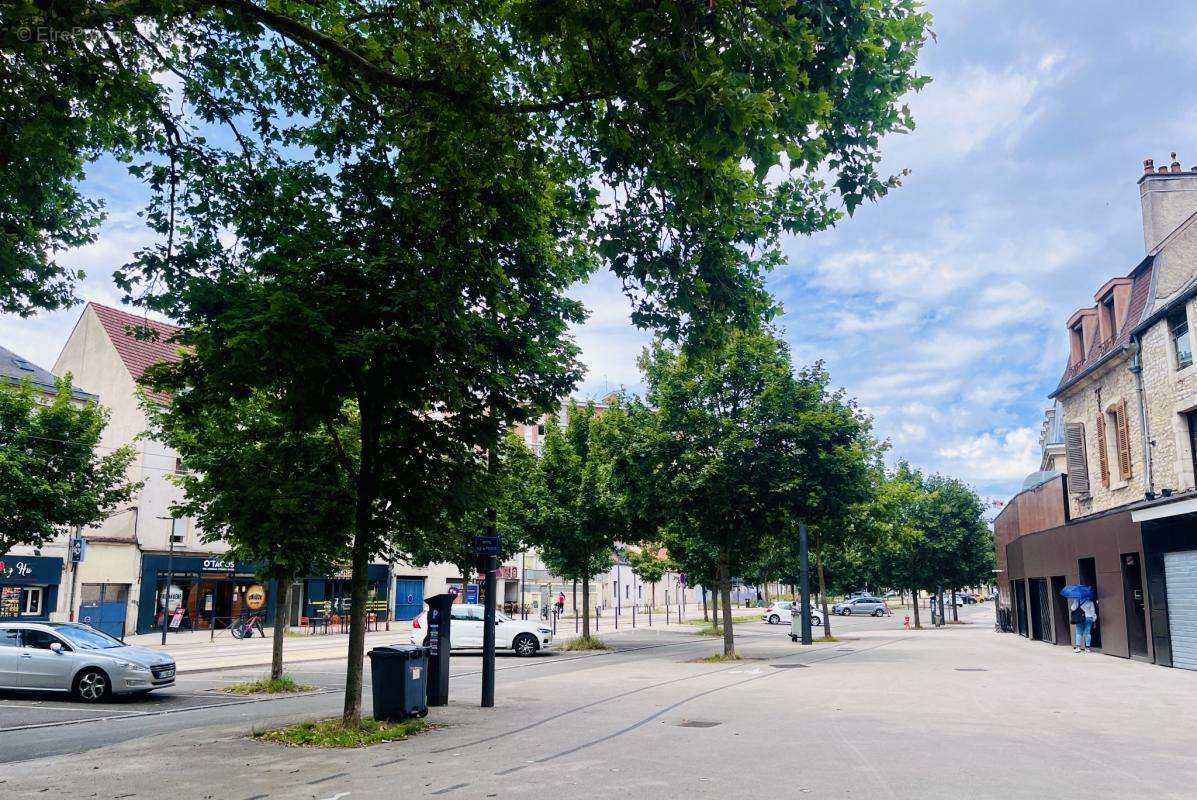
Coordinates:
1180	572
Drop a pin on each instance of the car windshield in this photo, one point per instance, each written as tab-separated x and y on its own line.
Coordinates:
87	638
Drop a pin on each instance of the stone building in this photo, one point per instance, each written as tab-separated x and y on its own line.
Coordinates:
1123	518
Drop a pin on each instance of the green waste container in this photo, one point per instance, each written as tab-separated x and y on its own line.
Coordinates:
399	678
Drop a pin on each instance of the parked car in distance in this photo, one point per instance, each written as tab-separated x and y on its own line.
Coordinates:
968	598
874	606
523	637
71	657
783	612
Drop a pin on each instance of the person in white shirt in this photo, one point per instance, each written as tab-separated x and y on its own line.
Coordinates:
1082	614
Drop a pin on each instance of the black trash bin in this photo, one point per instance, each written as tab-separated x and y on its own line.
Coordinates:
399	675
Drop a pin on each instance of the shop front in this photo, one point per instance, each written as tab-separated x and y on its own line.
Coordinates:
205	592
29	587
328	596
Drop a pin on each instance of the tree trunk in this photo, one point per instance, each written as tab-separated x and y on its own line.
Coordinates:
822	592
586	609
914	601
705	618
955	611
282	615
352	715
715	603
729	638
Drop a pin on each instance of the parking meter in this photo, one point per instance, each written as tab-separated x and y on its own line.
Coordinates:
439	616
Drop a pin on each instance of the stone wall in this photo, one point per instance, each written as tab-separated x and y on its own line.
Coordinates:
1170	393
1082	402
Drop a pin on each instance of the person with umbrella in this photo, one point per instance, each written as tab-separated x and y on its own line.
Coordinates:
1082	612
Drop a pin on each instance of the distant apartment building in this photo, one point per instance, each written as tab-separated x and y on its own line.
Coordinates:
1115	505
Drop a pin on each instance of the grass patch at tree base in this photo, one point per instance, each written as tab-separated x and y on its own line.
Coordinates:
283	685
718	658
585	643
331	733
824	639
738	618
709	630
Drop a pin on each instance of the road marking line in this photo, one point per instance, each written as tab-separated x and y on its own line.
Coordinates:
327	778
68	708
448	789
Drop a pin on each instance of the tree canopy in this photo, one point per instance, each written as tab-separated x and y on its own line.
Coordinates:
53	474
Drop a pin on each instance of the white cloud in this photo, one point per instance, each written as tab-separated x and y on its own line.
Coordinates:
995	457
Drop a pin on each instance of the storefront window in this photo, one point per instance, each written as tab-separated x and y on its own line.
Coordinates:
20	601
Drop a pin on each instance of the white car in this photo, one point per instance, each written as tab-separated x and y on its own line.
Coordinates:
783	611
523	637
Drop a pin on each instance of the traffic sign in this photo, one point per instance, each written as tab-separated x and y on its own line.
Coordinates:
78	549
488	545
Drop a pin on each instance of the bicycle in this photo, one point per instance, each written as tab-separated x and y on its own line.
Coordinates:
244	627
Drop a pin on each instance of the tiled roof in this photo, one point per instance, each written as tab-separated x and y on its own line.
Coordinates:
15	369
138	354
1140	292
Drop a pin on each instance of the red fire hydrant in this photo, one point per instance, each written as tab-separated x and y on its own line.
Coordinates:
906	622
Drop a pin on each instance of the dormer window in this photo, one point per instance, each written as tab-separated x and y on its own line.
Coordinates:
1076	336
1107	320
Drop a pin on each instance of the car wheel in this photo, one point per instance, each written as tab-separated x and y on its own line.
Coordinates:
847	612
816	621
92	686
879	613
426	642
774	619
525	645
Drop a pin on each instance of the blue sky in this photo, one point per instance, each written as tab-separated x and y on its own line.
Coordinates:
941	308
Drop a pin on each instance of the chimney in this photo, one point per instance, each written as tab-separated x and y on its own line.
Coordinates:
1169	197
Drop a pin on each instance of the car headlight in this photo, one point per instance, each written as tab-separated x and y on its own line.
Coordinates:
133	667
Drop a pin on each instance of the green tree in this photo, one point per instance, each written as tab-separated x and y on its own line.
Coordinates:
959	545
579	516
278	497
741	449
51	476
649	566
738	122
385	225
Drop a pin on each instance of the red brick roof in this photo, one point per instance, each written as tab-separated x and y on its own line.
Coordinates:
137	354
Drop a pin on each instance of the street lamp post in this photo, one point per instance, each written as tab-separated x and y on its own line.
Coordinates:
804	580
523	584
170	577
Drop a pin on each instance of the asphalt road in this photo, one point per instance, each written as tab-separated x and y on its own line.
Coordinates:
961	713
36	725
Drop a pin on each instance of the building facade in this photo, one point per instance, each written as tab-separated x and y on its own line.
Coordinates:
1123	517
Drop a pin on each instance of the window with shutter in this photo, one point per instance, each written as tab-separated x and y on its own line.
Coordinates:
1124	450
1103	458
1074	452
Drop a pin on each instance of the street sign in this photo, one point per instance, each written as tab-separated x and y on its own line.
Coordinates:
471	593
78	549
488	545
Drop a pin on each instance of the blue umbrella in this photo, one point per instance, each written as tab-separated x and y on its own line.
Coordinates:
1077	591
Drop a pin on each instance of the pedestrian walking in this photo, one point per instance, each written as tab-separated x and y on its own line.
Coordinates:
1082	614
560	603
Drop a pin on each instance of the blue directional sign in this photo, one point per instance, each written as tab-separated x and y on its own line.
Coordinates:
488	545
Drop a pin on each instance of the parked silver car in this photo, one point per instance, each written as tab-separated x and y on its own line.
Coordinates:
69	657
861	605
